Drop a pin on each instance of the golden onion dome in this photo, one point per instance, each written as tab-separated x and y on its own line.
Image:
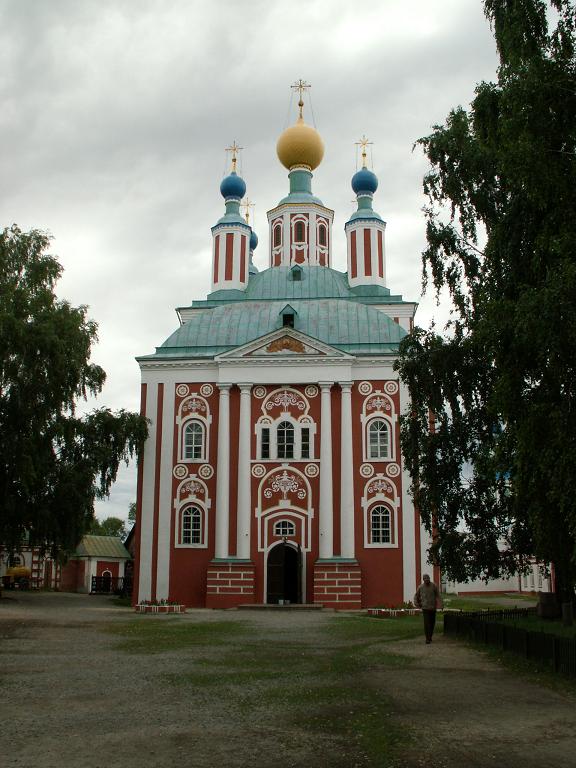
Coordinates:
300	145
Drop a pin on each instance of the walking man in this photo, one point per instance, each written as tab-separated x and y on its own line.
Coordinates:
428	598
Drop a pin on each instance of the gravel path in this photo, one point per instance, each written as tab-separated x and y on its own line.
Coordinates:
70	699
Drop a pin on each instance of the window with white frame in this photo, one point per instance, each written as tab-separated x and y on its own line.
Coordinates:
285	440
191	532
299	232
284	528
277	235
378	439
194	441
322	234
381	525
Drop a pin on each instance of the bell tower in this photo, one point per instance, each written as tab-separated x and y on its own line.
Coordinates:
365	231
300	225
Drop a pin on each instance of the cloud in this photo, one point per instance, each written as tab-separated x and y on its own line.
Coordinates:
115	116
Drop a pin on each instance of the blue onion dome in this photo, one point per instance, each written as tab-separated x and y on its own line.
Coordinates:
253	240
364	181
233	186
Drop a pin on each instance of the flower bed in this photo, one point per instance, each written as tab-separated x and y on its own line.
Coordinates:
159	608
393	613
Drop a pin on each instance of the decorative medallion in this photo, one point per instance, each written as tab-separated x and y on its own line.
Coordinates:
391	387
285	399
259	392
193	404
192	488
285	484
180	471
365	388
366	470
206	390
311	470
288	343
380	485
182	390
377	403
311	391
206	471
392	470
258	470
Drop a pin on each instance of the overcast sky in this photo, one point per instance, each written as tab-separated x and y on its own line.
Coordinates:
114	116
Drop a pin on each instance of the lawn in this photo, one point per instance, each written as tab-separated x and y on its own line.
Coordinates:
316	684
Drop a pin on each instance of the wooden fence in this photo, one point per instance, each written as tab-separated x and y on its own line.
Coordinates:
493	628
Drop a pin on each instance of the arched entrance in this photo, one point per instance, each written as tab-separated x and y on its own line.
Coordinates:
284	571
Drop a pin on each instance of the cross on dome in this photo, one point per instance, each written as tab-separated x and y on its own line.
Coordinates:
300	86
363	143
247	204
235	149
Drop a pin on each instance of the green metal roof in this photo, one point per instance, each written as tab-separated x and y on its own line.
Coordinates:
315	283
350	327
101	546
326	308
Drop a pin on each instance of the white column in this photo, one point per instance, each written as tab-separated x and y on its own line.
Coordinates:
223	473
326	479
346	474
243	518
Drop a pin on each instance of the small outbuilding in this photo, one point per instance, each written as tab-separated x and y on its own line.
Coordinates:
97	565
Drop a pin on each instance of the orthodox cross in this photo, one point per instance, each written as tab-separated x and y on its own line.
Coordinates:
300	86
363	143
234	149
247	204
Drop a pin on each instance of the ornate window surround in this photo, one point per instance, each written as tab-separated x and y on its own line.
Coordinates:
181	504
304	422
381	413
380	498
201	415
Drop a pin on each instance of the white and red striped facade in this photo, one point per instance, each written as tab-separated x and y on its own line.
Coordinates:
273	470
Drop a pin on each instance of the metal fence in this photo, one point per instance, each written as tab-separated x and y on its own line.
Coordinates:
493	628
111	585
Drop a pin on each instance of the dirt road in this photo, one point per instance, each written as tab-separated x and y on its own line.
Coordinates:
71	698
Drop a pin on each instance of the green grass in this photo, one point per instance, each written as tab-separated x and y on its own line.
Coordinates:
160	634
480	603
550	626
322	684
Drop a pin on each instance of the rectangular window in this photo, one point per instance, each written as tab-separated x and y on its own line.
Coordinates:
265	444
305	454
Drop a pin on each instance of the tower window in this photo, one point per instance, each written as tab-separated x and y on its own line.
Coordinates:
288	321
194	441
299	232
305	446
265	444
277	235
191	522
285	438
378	439
380	527
322	235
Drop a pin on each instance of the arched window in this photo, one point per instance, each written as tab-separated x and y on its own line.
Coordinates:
191	526
380	525
194	441
322	235
284	528
378	439
299	232
277	235
285	440
15	561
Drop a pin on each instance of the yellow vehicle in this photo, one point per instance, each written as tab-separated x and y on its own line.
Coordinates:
17	577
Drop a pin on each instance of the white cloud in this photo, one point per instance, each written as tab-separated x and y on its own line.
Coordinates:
115	115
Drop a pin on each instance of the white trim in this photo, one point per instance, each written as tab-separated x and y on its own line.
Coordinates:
165	495
223	473
147	502
326	511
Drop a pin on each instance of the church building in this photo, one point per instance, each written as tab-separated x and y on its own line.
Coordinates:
272	472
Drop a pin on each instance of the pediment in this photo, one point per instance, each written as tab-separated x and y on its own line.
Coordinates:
284	343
